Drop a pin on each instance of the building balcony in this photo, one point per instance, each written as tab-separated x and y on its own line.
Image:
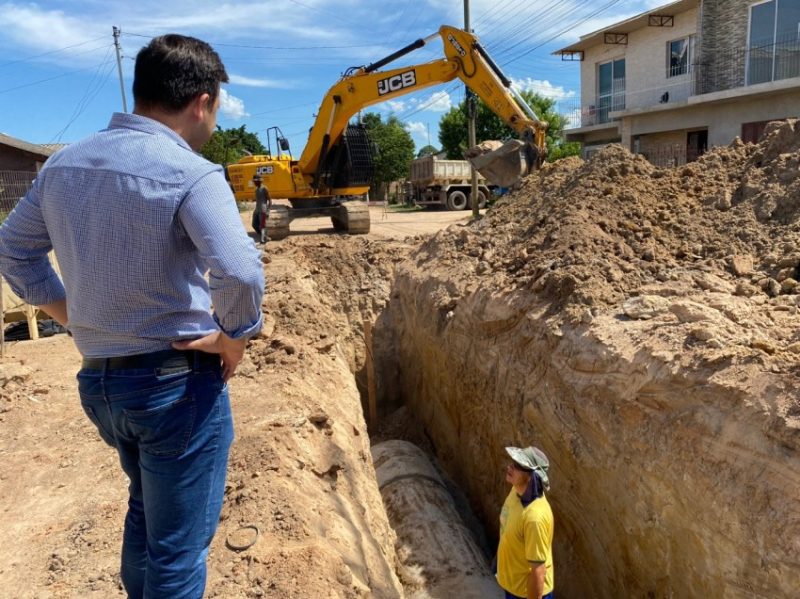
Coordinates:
745	67
766	69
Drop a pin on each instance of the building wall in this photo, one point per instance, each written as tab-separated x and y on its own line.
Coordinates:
723	37
14	159
723	120
663	149
645	64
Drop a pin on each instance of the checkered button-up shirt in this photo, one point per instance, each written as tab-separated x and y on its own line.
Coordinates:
136	219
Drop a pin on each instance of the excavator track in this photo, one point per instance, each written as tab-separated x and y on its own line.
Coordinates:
353	218
278	223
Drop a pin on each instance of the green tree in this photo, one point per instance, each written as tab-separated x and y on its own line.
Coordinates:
395	149
227	146
427	151
453	127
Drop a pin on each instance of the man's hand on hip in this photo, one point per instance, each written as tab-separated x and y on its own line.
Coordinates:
230	350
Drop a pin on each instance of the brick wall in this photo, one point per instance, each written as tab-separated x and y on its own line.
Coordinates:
722	40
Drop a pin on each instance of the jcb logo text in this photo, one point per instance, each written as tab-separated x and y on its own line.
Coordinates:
454	42
397	82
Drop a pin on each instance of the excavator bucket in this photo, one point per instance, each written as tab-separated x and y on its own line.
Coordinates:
502	164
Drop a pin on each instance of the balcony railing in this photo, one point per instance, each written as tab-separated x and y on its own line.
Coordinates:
596	112
722	71
740	67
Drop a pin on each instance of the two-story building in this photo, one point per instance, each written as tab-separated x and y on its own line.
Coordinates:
673	81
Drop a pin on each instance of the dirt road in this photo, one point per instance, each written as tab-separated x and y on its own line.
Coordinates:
386	223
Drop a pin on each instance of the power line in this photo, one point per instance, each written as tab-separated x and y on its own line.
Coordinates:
5	64
11	89
89	95
256	47
563	31
541	17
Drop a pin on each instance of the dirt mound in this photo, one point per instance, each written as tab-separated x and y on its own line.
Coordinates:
590	233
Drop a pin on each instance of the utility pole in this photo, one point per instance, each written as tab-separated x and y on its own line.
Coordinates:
119	68
472	105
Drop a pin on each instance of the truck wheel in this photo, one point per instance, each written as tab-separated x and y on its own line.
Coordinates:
457	200
481	200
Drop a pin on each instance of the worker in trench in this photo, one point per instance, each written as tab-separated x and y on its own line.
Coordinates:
525	552
137	219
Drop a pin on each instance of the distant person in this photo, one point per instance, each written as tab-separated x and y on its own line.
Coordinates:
525	552
137	218
263	206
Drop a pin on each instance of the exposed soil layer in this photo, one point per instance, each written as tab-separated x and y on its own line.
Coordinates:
640	325
300	470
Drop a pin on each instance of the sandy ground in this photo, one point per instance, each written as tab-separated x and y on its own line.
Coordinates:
62	494
389	224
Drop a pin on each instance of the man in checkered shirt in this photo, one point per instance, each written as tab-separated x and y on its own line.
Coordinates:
137	219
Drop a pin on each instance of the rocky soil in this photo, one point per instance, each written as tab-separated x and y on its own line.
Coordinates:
640	325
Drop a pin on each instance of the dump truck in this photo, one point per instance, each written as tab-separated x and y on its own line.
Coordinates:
448	183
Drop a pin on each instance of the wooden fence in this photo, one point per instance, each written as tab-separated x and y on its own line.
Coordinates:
14	185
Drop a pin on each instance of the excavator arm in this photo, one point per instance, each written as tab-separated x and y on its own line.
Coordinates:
465	59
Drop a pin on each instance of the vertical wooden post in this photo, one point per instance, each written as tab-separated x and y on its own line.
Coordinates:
2	321
33	326
371	391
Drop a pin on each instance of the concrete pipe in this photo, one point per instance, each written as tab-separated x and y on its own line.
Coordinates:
440	557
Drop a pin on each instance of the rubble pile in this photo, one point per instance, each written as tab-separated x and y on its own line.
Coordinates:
592	233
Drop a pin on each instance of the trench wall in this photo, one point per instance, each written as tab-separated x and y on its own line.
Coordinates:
666	480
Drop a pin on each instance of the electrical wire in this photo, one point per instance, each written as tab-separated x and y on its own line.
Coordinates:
89	95
256	47
563	31
29	58
11	89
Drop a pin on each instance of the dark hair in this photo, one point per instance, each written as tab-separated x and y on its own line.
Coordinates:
174	69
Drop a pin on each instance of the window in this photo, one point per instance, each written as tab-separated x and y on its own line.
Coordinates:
679	56
773	50
610	88
751	132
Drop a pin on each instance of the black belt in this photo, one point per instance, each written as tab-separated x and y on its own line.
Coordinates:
169	358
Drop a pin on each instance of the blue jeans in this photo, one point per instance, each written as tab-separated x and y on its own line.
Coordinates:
172	429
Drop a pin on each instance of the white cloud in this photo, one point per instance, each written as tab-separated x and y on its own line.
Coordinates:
395	105
417	128
252	82
543	88
32	27
438	102
231	106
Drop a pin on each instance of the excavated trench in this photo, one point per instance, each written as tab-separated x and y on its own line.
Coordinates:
637	324
640	326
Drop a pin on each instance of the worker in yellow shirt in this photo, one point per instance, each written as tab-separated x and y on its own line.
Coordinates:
525	553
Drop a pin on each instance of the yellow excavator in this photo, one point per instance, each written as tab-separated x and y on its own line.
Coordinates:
337	163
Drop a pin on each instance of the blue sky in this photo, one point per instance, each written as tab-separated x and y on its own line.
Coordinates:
59	82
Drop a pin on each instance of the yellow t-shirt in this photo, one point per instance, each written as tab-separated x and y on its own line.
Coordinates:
526	535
